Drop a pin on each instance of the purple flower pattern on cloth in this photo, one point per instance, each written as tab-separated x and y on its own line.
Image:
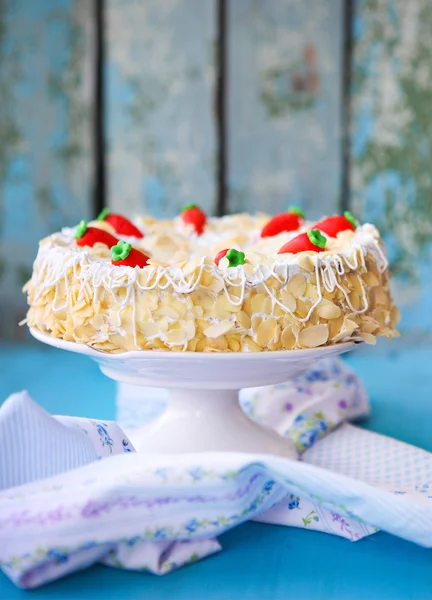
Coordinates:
304	410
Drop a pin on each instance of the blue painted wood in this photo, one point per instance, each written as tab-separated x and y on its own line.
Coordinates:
284	105
161	136
45	118
257	561
391	144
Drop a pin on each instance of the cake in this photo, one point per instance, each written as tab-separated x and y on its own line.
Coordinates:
238	283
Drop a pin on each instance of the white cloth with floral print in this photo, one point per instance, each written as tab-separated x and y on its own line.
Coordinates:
73	491
304	409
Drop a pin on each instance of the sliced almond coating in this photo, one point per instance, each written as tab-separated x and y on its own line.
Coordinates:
368	338
352	281
350	325
288	300
257	303
206	278
371	279
343	335
217	285
192	344
219	313
201	324
178	306
268	306
288	338
305	262
297	285
311	292
381	298
234	345
220	343
166	311
218	329
250	345
201	345
266	331
148	328
354	299
163	324
312	337
247	306
190	329
302	309
243	319
227	304
176	336
256	322
328	310
197	310
369	325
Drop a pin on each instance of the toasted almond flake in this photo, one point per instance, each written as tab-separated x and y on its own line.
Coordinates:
148	328
371	279
206	278
354	299
250	345
302	310
342	336
165	310
243	319
297	285
311	292
228	303
369	325
381	298
288	338
256	322
192	344
288	300
190	328
367	337
257	303
176	336
218	329
305	262
234	345
312	337
355	283
266	331
350	325
328	310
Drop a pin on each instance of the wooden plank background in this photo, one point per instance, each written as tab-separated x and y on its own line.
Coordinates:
45	131
284	105
160	99
289	66
391	176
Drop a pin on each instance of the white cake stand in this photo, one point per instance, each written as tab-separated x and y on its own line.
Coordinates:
203	412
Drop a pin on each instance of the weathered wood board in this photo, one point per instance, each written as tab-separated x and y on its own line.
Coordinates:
391	174
284	104
46	167
160	115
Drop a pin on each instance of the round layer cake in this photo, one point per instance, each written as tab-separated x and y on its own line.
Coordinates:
240	283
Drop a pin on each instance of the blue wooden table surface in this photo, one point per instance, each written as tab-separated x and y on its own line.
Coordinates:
257	561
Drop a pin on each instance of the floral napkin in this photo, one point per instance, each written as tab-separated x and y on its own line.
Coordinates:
74	491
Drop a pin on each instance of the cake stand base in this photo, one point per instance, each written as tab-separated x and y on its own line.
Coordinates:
207	421
203	412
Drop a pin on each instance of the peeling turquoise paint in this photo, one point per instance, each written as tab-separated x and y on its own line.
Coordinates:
45	156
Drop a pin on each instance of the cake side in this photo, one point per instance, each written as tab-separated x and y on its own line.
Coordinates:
183	301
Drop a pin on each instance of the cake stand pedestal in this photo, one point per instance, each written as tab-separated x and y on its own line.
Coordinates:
203	412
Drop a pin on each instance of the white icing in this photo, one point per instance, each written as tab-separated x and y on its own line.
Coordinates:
57	257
